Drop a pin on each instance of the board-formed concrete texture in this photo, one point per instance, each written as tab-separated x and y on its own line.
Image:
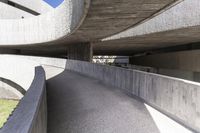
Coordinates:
174	26
176	98
84	97
126	27
184	60
104	18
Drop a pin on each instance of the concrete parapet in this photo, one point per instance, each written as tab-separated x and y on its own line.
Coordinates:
20	76
177	98
10	90
31	114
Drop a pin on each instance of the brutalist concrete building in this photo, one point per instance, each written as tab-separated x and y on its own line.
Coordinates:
101	66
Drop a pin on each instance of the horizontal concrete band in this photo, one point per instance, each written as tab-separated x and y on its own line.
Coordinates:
31	114
61	22
175	97
183	60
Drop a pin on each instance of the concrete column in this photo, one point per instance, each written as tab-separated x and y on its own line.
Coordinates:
82	51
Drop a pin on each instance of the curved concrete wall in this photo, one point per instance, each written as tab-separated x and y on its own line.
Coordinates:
44	28
20	71
177	98
184	14
10	90
31	114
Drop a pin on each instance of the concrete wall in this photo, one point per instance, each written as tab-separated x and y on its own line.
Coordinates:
177	98
37	5
83	52
31	114
20	71
10	90
185	60
9	12
184	14
183	74
61	21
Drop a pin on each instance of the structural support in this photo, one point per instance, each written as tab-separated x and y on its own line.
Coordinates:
185	60
83	52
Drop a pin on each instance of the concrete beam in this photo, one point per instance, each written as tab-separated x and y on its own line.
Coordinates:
175	26
185	14
185	60
83	52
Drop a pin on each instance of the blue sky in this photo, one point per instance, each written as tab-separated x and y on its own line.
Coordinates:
54	3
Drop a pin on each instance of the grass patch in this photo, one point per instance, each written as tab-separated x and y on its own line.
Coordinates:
6	108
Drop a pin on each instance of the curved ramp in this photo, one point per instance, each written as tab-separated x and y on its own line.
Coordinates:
79	104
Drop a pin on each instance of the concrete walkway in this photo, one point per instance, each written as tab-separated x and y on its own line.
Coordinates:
79	104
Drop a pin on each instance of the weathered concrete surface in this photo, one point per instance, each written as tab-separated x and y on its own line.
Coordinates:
177	73
185	60
178	25
12	68
109	17
104	18
31	115
9	12
184	14
89	106
61	21
82	52
176	97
